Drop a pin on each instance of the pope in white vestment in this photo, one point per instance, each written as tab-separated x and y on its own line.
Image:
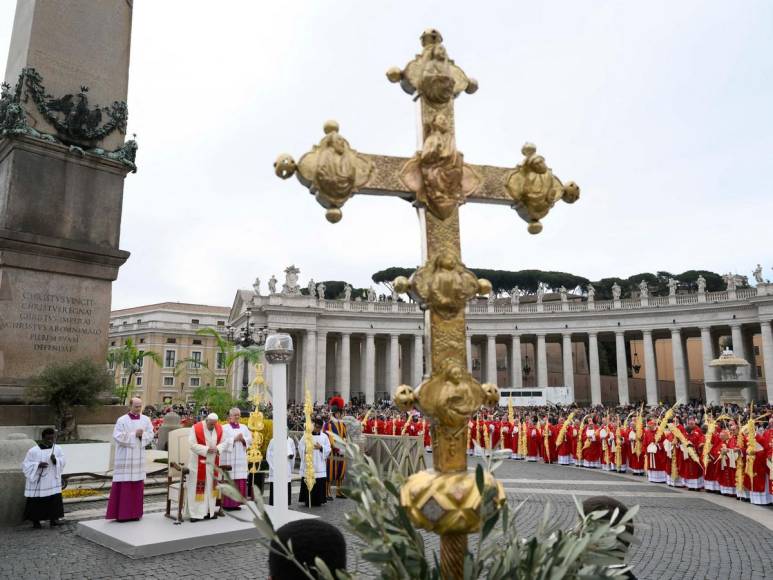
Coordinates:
206	441
237	440
42	467
132	433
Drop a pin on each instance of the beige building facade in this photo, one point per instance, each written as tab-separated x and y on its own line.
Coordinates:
643	349
171	330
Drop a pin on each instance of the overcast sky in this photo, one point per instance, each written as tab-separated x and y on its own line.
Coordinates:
661	111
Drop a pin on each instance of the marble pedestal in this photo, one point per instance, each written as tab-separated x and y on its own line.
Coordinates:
60	220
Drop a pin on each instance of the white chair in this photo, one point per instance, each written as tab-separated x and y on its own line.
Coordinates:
177	472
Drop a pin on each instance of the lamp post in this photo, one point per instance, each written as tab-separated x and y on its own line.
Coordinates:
246	337
526	369
278	352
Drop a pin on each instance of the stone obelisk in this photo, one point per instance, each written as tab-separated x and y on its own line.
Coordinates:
63	160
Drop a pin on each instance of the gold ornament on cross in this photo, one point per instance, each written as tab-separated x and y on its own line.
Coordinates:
437	181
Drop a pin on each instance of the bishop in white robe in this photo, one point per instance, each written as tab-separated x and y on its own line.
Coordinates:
207	442
42	467
237	440
132	433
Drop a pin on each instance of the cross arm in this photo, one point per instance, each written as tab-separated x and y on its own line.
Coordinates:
334	172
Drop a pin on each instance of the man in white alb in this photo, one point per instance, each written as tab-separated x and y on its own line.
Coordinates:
237	440
133	432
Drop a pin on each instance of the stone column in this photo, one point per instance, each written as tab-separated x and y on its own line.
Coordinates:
622	368
593	367
491	358
309	364
320	391
650	368
344	367
469	352
542	361
393	374
369	386
568	363
709	373
418	360
516	371
767	356
680	372
739	350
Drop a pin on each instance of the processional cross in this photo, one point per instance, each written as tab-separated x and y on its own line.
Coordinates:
437	181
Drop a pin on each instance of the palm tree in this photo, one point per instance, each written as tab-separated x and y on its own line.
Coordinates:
226	352
130	358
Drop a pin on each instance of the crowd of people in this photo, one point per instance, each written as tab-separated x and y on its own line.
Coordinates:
720	449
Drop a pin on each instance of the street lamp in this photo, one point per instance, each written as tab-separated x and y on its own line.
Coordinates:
526	368
245	337
635	366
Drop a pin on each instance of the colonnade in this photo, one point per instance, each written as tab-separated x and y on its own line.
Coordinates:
741	336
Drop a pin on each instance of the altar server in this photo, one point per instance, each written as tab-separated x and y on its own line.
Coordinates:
321	451
43	467
290	456
133	432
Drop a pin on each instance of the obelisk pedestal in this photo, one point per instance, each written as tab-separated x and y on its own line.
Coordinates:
62	166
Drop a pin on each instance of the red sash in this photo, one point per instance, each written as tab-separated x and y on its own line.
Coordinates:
201	463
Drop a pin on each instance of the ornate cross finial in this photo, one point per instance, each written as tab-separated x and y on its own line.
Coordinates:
437	181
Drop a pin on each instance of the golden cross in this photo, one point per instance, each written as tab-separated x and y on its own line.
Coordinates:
437	181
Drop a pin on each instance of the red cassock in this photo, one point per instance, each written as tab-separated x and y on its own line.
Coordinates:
547	438
634	461
657	461
566	445
413	428
571	438
711	475
426	433
688	468
533	440
514	432
726	473
769	441
606	436
622	440
758	482
593	452
493	429
506	434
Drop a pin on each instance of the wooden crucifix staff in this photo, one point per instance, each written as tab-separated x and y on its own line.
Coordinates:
437	181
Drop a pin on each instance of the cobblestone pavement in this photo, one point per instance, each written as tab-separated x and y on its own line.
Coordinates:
680	534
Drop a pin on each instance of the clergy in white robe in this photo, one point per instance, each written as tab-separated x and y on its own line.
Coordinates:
290	456
237	440
321	443
42	467
133	432
206	441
